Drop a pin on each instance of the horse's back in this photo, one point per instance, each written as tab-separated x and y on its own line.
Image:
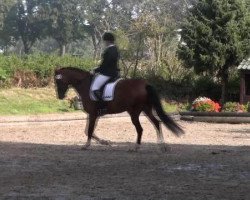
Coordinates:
131	85
131	89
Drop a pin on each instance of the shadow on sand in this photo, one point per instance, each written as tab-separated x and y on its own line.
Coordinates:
40	171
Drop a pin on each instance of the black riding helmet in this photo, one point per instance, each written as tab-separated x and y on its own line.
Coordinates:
107	36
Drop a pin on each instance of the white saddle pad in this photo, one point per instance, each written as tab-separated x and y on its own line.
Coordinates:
108	92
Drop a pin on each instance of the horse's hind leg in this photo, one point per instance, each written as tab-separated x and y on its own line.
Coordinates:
135	120
148	111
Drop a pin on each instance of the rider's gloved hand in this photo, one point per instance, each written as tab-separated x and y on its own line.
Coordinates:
95	70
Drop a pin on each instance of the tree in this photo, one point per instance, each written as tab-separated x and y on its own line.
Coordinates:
27	23
23	21
96	23
65	23
215	38
5	6
120	15
151	30
6	10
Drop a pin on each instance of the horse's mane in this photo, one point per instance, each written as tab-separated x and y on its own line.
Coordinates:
74	69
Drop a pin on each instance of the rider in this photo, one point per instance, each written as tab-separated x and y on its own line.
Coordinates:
109	66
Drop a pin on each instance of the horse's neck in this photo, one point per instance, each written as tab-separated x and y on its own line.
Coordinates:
82	87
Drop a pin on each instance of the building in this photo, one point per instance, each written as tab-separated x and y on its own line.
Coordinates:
244	68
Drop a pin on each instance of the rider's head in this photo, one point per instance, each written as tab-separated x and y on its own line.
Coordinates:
108	38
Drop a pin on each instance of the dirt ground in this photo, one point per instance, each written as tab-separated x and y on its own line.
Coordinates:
44	161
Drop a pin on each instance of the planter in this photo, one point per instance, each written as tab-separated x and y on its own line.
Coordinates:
213	117
78	105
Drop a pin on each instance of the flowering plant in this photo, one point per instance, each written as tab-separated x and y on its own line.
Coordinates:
204	104
234	107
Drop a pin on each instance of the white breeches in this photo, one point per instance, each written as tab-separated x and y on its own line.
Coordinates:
99	81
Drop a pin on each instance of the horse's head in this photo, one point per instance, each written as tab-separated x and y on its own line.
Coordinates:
61	82
69	76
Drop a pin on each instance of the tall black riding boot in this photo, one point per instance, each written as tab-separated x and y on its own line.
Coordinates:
98	94
101	105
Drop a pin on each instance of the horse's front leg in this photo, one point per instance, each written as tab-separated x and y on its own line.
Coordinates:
90	130
96	138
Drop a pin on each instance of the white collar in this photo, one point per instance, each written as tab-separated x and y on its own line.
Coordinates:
110	45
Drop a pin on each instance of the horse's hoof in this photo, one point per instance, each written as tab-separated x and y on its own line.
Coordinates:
165	148
132	150
85	147
105	142
135	149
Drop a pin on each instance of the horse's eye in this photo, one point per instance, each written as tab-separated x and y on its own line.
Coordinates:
58	76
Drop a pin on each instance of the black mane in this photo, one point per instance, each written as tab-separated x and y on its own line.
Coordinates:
74	69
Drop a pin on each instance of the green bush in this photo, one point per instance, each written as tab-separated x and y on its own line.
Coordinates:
206	86
36	69
248	106
185	88
179	90
3	75
234	107
183	107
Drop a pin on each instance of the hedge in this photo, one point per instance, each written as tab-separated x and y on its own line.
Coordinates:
36	69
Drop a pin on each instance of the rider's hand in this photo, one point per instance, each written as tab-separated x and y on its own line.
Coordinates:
96	70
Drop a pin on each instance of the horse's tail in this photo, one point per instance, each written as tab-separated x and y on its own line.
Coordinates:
167	120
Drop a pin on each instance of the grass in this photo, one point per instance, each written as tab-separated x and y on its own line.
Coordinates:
16	101
175	107
169	108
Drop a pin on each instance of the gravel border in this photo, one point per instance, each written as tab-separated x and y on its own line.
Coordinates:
62	117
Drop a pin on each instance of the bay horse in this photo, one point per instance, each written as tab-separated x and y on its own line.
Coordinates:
131	95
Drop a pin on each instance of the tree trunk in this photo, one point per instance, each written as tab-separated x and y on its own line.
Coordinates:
95	46
27	47
224	88
5	50
137	56
96	41
62	49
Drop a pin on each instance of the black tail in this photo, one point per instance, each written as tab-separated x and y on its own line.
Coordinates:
167	120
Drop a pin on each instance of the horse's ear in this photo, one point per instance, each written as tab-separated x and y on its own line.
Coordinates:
57	68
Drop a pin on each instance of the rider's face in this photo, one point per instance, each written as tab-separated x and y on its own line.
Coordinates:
105	43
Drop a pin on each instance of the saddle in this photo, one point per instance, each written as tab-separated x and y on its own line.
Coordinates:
107	90
107	94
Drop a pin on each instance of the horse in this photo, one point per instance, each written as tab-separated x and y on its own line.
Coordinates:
131	95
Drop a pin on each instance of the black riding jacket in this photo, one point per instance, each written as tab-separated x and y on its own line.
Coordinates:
109	65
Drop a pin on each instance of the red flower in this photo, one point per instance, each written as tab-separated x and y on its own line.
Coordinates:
205	105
